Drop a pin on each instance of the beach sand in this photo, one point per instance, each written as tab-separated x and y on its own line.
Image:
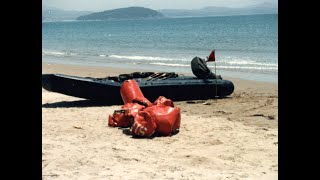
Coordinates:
230	138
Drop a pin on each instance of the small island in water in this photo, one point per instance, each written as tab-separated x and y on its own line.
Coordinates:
123	13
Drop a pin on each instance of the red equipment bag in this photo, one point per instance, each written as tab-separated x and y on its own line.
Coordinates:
162	101
125	116
120	118
142	116
144	125
131	92
166	118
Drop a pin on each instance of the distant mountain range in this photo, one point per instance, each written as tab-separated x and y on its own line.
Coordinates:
55	14
265	8
123	13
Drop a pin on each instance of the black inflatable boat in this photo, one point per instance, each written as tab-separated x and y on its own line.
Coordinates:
176	87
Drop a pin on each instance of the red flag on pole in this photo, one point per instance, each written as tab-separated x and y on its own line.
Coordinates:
212	57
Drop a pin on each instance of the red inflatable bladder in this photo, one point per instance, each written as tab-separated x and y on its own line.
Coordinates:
166	118
145	118
163	101
131	92
124	117
120	118
133	108
144	125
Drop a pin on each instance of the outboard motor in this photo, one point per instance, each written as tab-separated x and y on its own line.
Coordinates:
200	69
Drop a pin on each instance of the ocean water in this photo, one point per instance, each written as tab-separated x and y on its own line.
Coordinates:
246	46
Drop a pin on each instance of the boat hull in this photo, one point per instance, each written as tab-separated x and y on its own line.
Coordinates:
176	89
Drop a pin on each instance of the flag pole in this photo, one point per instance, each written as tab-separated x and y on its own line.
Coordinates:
212	57
215	72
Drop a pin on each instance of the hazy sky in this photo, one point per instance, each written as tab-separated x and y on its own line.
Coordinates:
99	5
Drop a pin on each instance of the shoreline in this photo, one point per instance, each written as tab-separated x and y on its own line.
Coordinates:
106	71
243	74
234	137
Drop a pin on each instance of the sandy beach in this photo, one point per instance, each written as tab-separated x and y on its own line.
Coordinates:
230	138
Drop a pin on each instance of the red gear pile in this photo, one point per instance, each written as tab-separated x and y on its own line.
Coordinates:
145	118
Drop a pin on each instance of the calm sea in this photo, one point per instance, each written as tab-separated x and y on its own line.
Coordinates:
246	46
